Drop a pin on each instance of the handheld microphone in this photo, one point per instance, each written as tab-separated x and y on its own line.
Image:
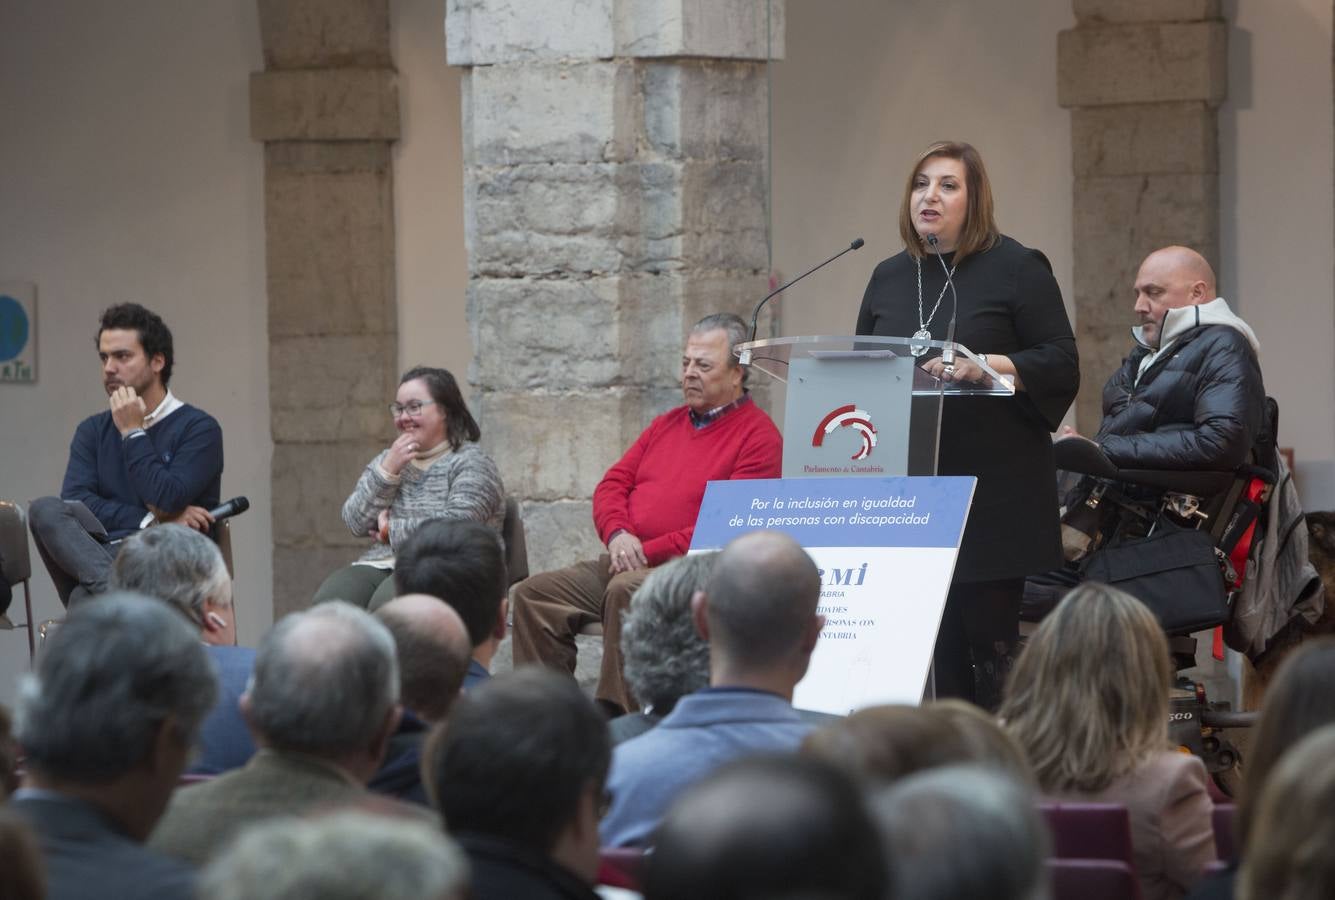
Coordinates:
947	354
234	507
745	358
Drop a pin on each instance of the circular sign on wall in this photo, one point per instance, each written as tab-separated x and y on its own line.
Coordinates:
13	328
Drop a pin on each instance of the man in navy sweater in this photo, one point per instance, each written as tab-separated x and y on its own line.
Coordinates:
148	459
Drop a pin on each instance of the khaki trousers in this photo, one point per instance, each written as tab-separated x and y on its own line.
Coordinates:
551	608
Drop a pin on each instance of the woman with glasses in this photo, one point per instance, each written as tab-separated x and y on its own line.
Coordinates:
434	469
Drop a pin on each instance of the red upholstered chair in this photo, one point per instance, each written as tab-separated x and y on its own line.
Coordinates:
1093	879
621	867
1225	838
1089	831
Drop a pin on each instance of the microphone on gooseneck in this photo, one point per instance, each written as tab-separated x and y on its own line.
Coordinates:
755	316
948	354
234	507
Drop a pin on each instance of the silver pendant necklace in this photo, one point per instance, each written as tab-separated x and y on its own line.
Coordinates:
924	332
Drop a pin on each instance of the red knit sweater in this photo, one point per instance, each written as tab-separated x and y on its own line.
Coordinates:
654	490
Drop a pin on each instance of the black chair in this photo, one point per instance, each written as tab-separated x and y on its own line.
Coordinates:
16	566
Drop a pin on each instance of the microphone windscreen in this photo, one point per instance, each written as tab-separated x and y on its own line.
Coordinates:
857	243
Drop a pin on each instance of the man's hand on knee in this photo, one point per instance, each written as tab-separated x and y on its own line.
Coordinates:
627	553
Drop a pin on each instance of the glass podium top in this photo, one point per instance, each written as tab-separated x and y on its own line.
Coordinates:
773	355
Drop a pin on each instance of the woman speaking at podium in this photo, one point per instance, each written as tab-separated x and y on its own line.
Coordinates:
1009	311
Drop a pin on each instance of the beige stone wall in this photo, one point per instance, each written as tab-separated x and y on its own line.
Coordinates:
326	108
615	174
1142	81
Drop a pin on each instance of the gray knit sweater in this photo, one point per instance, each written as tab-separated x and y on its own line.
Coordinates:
463	484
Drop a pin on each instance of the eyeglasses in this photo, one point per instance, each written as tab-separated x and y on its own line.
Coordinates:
412	407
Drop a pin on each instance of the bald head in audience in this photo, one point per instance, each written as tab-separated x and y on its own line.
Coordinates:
759	613
326	685
433	651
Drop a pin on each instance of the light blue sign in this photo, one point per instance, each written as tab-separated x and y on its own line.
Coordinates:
924	511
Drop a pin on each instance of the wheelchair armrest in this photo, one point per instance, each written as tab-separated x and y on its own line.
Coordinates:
1083	456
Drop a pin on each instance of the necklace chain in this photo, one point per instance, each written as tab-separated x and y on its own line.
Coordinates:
923	324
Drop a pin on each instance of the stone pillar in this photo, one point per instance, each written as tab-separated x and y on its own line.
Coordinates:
615	191
326	108
1143	79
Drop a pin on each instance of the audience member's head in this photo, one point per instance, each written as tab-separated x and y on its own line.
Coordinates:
523	758
22	873
433	648
881	744
9	756
987	743
963	832
343	856
665	657
758	612
1298	701
1288	856
183	567
770	827
112	712
1087	700
326	684
463	564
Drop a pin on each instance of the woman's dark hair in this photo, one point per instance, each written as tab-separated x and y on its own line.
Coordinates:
154	335
460	425
1297	702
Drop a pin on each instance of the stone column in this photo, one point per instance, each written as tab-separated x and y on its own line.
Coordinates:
615	192
326	108
1143	79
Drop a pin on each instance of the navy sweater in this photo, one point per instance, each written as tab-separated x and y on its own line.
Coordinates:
178	463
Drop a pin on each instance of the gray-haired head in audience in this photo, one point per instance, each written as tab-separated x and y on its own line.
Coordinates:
325	682
345	856
115	675
176	564
963	832
665	656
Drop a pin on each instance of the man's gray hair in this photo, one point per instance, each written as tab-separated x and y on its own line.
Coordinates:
119	667
737	329
173	563
324	681
345	856
665	657
973	807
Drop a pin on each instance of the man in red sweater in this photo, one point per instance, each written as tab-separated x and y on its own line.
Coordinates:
646	504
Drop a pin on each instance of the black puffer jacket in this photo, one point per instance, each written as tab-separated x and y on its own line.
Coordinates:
1199	404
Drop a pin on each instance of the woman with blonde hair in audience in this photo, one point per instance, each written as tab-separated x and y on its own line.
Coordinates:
1088	704
1289	856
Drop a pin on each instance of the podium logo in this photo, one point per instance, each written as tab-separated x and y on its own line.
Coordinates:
848	417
